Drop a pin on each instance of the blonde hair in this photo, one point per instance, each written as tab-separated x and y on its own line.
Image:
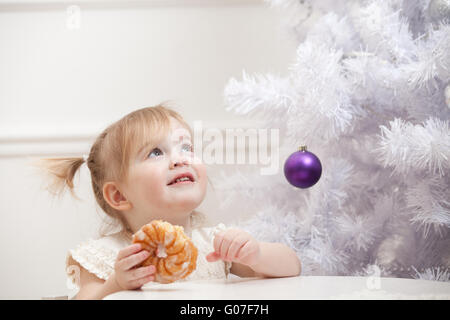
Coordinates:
110	154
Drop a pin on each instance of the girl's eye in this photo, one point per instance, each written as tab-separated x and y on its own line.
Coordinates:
155	153
186	147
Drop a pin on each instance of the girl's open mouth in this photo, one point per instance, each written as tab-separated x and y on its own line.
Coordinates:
182	179
181	183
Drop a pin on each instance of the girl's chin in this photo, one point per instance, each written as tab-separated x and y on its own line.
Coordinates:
186	203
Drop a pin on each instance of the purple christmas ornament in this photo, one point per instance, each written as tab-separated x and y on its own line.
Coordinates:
302	169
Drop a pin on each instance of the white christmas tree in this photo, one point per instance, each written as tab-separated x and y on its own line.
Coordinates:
368	93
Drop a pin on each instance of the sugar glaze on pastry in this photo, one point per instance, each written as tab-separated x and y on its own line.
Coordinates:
171	251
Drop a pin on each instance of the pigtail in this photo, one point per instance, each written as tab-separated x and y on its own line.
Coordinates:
60	173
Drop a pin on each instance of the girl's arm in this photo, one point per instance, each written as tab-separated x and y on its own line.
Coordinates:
275	260
252	258
91	287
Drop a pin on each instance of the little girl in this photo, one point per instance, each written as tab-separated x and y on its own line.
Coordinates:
133	164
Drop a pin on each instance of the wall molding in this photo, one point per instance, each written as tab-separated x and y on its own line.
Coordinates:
45	145
74	142
33	5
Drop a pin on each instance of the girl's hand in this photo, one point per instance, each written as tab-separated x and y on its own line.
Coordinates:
127	276
235	245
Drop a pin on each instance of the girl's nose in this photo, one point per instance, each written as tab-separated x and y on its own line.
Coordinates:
178	163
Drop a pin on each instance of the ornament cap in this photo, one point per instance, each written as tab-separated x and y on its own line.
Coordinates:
302	148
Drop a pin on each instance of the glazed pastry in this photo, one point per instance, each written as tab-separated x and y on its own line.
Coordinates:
171	251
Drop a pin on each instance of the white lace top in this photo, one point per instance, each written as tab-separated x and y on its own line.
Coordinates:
99	255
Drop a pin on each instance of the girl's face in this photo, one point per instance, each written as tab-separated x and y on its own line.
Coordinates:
150	187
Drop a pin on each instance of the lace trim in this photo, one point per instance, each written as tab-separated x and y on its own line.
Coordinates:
208	270
198	220
96	259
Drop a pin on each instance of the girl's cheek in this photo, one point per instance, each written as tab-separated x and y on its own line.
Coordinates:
152	185
153	193
201	169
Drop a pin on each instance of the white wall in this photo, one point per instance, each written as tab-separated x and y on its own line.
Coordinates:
59	87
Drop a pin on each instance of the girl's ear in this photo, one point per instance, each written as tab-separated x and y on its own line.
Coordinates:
115	198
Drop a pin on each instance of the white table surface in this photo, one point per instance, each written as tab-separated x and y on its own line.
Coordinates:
302	287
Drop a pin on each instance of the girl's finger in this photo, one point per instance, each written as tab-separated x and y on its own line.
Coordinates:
226	243
235	246
218	241
224	247
142	272
133	260
213	257
125	252
140	282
